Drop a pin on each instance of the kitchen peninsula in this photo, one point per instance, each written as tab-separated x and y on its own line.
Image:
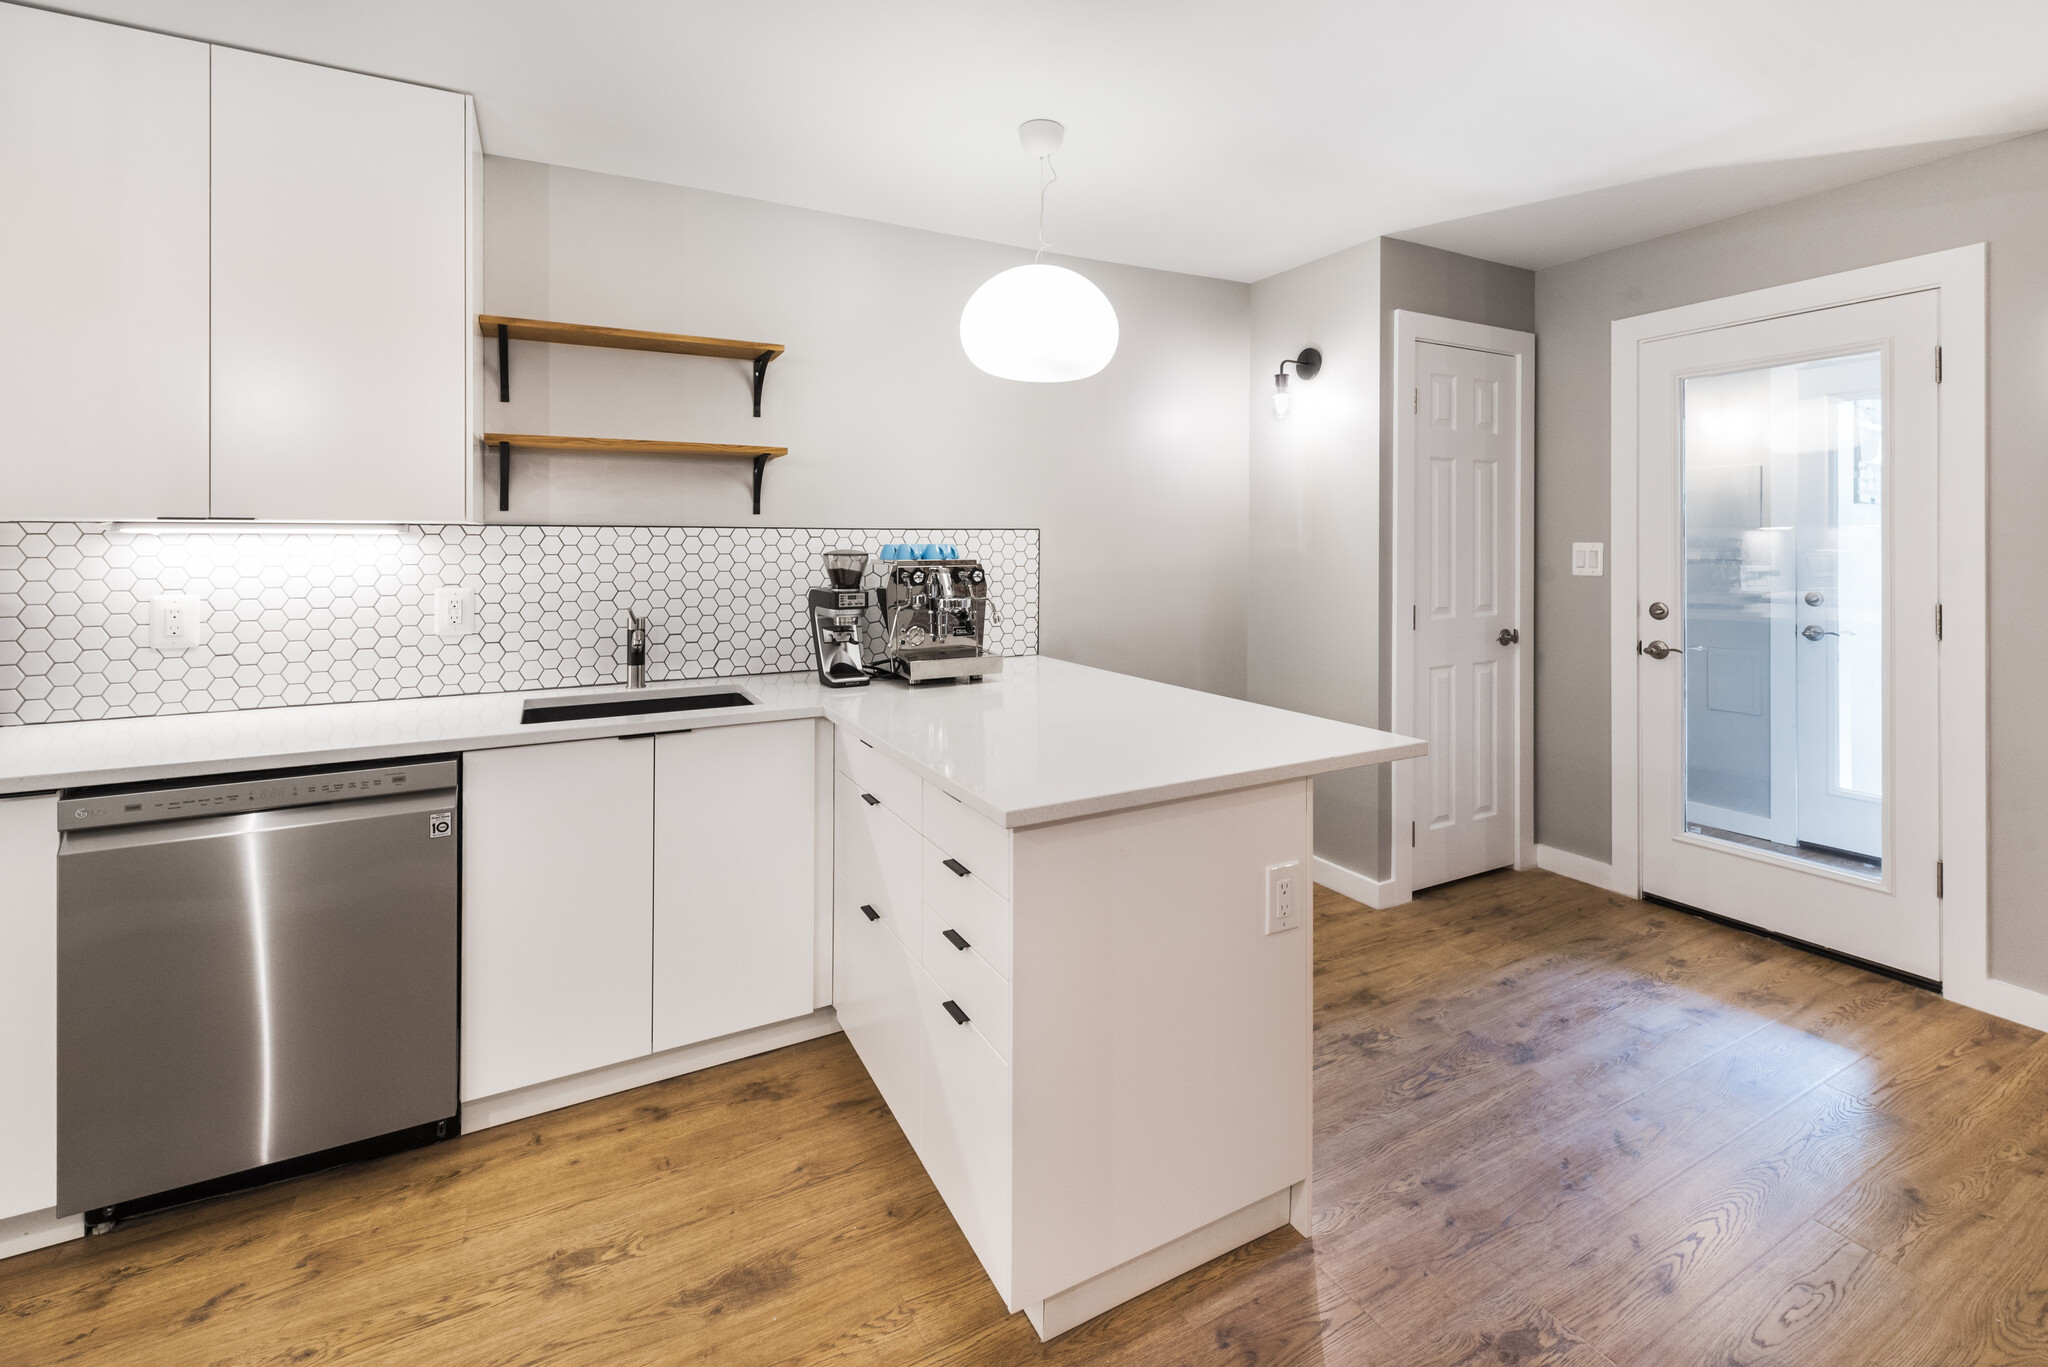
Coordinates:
1062	916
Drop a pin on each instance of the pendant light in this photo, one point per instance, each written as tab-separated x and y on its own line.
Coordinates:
1039	323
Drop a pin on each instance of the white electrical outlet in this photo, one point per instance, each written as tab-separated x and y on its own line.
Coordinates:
177	621
1286	890
454	612
1587	557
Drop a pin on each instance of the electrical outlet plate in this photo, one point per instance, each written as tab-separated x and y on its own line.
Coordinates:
1588	557
177	621
454	612
1287	895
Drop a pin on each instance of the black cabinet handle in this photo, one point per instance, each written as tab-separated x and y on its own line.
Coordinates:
958	867
870	912
871	799
956	939
953	1010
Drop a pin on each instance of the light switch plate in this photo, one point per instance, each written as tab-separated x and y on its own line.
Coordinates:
1588	557
454	612
1287	892
177	621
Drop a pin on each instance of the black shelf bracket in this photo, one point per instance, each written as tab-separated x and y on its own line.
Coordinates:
760	464
504	476
760	374
505	364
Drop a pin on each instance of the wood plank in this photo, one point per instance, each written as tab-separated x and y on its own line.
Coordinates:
625	339
628	446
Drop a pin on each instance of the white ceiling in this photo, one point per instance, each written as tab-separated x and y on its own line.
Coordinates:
1225	139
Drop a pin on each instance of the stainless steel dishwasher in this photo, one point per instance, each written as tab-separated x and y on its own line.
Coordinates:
253	974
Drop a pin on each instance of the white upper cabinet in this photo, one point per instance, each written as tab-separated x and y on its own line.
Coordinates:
103	286
342	324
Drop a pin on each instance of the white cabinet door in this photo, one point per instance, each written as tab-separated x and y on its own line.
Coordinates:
874	992
28	1004
341	330
964	1128
557	910
103	270
735	891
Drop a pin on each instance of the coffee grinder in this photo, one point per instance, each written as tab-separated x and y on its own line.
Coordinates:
837	612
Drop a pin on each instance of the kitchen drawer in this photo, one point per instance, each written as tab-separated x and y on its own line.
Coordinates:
970	906
878	857
964	1130
965	979
889	783
968	836
874	990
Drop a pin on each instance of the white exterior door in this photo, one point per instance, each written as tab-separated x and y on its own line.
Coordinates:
1466	669
1788	582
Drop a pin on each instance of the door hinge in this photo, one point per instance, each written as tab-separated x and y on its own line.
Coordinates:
1937	880
1414	617
1937	621
1411	835
1416	404
1937	365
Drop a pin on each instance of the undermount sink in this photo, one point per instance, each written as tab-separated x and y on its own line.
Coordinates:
630	704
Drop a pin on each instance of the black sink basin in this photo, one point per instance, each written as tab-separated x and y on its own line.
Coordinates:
628	705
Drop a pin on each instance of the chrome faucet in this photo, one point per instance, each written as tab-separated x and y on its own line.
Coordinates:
636	650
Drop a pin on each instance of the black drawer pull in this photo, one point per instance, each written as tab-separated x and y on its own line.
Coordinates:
870	912
958	867
956	939
953	1010
871	799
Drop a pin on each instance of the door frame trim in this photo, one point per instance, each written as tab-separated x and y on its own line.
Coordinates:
1959	275
1411	329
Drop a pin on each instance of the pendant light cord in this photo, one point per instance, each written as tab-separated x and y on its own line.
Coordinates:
1044	165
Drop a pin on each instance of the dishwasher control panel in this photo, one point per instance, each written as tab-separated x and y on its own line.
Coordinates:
92	808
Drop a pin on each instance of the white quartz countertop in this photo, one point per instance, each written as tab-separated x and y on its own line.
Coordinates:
1045	740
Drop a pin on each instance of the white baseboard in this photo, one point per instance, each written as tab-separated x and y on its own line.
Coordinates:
2019	1004
506	1107
38	1229
1374	892
1058	1313
1599	874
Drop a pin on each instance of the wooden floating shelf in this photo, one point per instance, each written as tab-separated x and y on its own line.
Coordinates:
509	330
623	446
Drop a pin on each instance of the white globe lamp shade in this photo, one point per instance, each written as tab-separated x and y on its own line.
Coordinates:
1039	323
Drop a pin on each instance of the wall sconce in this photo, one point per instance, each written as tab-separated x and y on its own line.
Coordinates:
1305	365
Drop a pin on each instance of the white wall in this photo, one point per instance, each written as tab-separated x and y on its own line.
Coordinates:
1315	518
1137	476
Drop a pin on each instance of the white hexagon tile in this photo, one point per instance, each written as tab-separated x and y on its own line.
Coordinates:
317	619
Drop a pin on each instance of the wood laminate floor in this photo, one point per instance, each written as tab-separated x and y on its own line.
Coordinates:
1552	1126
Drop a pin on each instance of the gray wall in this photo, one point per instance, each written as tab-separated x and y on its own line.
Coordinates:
1315	518
1998	195
1137	476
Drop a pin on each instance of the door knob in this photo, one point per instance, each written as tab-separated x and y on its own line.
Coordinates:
1815	633
1656	650
1815	598
1659	611
1508	636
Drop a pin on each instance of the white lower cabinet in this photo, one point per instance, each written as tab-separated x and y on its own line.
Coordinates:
964	1128
557	910
874	992
28	1004
735	879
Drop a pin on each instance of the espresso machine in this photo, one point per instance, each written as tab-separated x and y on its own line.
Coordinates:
837	615
934	620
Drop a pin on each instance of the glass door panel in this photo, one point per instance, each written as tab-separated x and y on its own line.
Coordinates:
1784	607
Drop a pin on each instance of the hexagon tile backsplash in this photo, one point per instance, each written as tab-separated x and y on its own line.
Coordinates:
317	619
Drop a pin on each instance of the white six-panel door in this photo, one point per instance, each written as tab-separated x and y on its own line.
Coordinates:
1466	549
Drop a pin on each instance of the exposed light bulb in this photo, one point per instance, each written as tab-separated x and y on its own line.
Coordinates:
1283	401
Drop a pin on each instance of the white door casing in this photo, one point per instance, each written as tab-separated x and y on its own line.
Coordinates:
1959	275
1890	917
1463	538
